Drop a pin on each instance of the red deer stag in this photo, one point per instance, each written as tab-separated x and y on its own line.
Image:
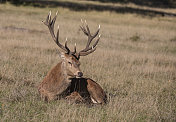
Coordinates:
65	79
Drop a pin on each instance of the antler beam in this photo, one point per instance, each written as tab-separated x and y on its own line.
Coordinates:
50	23
86	31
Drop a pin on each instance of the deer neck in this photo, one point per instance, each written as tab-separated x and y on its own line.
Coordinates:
64	73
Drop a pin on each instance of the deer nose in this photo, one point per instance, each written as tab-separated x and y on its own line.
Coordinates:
80	74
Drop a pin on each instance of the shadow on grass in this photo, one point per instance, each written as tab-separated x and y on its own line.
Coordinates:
149	3
78	6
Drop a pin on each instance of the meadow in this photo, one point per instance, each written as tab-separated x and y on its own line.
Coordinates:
135	63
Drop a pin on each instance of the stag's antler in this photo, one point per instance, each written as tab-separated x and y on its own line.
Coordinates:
50	23
88	49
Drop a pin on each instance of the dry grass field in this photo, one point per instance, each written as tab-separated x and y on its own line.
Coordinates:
135	63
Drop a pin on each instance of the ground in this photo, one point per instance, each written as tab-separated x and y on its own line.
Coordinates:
135	63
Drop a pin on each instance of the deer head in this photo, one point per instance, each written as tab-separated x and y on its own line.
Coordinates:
71	58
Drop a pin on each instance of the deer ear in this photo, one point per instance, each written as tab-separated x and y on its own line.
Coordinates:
62	55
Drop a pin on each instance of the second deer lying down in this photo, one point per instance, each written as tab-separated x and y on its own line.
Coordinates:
65	79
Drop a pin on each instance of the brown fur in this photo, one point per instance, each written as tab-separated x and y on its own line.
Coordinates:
88	89
59	82
75	97
54	83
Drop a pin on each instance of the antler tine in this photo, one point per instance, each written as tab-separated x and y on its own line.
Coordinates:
86	53
84	30
88	31
88	34
67	46
47	19
53	21
96	33
50	23
88	49
94	45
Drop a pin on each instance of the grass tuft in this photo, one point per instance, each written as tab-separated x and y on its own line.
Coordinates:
135	38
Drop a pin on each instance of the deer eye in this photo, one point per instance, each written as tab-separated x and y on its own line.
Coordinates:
70	63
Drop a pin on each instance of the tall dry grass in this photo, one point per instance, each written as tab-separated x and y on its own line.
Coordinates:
135	63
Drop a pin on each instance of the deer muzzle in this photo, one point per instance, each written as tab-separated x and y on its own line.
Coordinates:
79	74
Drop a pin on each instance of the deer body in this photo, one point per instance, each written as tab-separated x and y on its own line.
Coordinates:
54	83
59	83
58	79
65	79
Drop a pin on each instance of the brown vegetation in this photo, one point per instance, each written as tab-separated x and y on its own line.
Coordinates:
135	63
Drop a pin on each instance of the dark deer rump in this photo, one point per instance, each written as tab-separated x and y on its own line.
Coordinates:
86	89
